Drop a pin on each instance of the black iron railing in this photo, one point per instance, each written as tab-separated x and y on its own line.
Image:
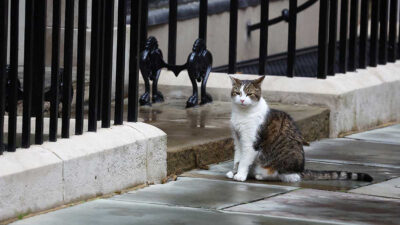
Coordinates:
356	48
32	93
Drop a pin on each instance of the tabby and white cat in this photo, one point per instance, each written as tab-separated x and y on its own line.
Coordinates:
268	145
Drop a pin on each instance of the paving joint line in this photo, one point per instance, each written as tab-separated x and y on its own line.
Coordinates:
371	141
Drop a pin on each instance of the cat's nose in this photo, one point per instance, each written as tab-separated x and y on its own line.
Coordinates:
241	100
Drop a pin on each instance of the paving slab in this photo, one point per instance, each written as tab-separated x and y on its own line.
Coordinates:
390	189
379	174
327	206
348	151
203	193
106	212
389	134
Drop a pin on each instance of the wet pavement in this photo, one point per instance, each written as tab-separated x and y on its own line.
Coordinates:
327	206
207	197
390	189
195	192
389	134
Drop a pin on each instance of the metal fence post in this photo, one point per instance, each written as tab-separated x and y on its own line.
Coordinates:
13	77
233	20
3	64
362	60
383	36
67	78
353	35
28	66
120	70
108	55
263	37
291	63
333	13
172	26
344	25
55	68
203	20
94	65
392	53
39	67
81	66
323	40
373	57
135	41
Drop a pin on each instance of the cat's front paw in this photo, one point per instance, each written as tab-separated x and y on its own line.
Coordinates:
240	177
230	174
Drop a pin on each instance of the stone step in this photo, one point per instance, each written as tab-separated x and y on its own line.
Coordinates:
202	136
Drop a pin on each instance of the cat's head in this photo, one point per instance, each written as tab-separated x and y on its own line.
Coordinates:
246	93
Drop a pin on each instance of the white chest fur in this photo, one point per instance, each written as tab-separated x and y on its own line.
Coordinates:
246	121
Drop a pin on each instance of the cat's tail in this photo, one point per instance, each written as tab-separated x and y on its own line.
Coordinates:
334	175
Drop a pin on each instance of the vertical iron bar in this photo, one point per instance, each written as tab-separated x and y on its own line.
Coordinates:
81	57
373	57
172	28
55	68
143	20
344	25
101	62
323	39
13	76
120	76
136	35
353	35
362	62
3	64
81	66
398	42
392	54
28	66
291	63
233	20
383	36
94	66
203	20
38	68
332	36
263	37
108	56
67	78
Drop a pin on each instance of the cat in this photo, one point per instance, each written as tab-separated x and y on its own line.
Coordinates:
267	143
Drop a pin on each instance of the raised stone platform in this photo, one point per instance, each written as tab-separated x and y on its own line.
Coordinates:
202	135
357	101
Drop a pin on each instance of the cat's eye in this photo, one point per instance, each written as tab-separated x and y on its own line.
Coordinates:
250	94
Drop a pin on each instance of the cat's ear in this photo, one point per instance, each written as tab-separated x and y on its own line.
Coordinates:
259	81
235	81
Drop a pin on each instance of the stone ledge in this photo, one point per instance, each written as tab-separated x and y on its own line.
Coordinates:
313	122
357	100
81	167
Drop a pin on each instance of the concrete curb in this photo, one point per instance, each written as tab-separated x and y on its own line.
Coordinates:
81	167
